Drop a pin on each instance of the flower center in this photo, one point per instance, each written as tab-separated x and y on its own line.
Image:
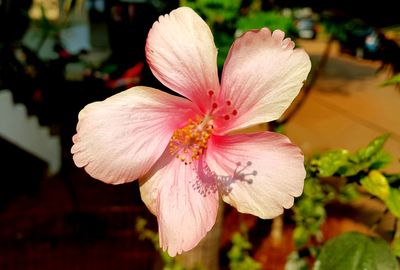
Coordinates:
190	142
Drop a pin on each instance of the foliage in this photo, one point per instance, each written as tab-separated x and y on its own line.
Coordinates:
271	19
341	28
354	251
394	80
342	176
220	15
170	263
309	211
337	175
223	41
376	184
396	247
215	11
227	20
344	164
393	202
239	253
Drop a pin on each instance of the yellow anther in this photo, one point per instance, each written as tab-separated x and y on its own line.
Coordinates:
188	143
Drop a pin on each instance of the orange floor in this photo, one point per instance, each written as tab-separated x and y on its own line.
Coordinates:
347	107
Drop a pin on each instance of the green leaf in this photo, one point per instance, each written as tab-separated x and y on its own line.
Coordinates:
393	179
240	241
370	157
223	41
396	247
300	236
215	10
272	19
329	163
380	160
238	255
355	251
392	81
393	202
280	129
376	184
313	189
372	149
348	193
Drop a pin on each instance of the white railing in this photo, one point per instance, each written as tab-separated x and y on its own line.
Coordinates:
23	130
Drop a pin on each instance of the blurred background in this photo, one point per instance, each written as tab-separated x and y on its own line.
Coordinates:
56	56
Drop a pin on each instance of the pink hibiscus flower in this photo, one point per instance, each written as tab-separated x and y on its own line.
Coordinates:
183	149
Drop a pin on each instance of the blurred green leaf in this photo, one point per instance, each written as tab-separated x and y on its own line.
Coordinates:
240	241
301	236
280	129
342	163
313	189
221	16
393	202
348	193
309	210
329	163
223	41
170	263
238	255
393	179
271	19
214	10
336	175
376	184
395	80
355	251
342	28
372	149
188	3
380	160
396	247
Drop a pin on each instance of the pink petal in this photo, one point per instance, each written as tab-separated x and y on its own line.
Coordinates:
261	77
181	53
185	204
120	138
258	173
